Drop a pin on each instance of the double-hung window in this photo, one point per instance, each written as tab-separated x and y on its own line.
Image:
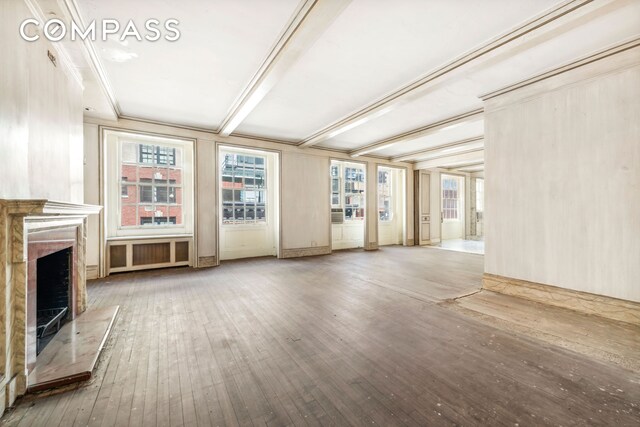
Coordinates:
450	197
243	188
149	185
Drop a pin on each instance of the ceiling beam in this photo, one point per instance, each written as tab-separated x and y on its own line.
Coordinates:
311	19
452	161
417	155
468	117
430	81
476	167
468	167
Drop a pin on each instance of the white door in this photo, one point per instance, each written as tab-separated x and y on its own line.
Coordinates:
422	182
248	204
452	207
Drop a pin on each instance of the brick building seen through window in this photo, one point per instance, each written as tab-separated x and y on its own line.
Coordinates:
151	185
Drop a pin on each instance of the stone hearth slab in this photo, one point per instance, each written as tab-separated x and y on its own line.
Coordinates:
72	354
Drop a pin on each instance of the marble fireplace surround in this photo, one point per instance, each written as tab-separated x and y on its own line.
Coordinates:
30	229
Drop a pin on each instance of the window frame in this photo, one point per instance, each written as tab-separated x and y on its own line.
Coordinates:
343	182
113	142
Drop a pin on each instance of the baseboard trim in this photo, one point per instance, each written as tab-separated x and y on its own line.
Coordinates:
371	246
302	252
597	305
207	261
92	272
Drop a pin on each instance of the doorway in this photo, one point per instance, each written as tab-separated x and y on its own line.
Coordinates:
348	198
249	203
391	206
452	221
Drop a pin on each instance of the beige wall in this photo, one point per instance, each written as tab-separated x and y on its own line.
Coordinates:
562	182
305	194
41	117
305	220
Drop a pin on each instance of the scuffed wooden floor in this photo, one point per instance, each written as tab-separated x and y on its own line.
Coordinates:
353	338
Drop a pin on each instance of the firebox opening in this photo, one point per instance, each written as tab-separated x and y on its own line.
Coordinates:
53	295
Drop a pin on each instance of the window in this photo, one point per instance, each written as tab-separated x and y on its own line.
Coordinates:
347	190
243	189
450	198
335	186
479	198
384	195
353	193
149	182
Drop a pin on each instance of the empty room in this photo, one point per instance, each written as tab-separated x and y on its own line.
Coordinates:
319	212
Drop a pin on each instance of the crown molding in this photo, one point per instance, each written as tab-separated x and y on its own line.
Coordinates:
94	61
169	124
418	87
588	59
468	117
417	154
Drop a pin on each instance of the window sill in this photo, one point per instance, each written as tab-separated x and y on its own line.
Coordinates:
149	237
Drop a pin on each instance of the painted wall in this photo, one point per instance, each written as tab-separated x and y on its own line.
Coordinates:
305	192
305	200
562	182
41	152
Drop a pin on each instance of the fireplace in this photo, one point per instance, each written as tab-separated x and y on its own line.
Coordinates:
42	268
53	295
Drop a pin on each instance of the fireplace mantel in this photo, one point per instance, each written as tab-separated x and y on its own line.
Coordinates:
37	207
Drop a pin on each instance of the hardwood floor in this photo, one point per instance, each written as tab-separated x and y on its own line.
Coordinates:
353	338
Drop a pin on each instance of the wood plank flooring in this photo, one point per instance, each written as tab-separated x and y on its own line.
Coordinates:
353	338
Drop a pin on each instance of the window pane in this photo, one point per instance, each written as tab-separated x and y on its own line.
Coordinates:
238	212
146	194
244	174
162	194
146	179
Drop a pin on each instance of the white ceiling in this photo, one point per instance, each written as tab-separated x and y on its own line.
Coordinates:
195	80
369	50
